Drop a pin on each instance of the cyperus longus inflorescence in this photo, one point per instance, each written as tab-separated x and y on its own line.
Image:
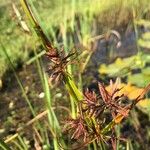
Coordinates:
99	113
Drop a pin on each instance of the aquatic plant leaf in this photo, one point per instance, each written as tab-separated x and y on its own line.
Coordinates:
119	68
144	105
139	79
122	67
145	44
144	41
146	36
146	71
144	22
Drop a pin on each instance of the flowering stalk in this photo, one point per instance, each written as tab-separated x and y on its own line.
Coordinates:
93	121
53	54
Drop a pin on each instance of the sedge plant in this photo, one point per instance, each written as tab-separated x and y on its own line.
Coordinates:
97	115
90	124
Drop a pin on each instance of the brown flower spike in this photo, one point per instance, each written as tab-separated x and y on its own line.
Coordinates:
94	113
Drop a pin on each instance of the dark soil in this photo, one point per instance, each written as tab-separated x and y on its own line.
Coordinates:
14	109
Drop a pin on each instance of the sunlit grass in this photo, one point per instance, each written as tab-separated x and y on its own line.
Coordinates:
61	15
54	13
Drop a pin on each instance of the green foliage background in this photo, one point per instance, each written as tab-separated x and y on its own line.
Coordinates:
53	13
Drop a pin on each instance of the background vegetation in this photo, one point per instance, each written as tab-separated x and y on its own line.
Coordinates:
111	39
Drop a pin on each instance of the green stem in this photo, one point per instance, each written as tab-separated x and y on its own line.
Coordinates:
72	88
69	83
36	25
108	127
4	146
18	80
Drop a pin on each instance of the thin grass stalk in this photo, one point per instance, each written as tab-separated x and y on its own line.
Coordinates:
94	145
55	128
35	57
69	83
88	147
39	68
47	95
130	144
52	118
11	138
25	147
127	145
49	103
139	52
69	67
17	145
117	129
4	146
18	80
52	33
51	115
36	23
72	88
21	87
47	139
73	5
135	30
102	145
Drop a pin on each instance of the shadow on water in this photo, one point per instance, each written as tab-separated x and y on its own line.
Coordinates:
106	51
